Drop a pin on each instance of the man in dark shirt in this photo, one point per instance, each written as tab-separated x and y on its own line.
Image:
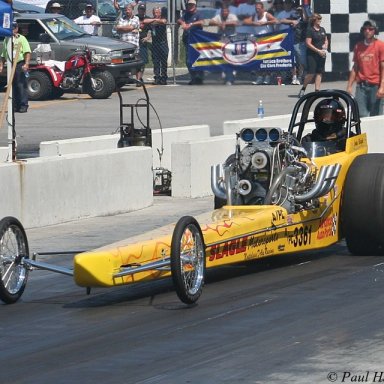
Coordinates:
159	46
300	47
191	20
144	36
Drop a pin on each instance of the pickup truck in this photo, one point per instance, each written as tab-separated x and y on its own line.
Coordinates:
121	58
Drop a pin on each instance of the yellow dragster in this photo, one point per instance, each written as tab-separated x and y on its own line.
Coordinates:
279	192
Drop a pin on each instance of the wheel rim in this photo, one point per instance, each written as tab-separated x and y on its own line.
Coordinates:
98	84
33	86
12	249
192	259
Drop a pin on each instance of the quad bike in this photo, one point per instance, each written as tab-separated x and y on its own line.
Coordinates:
79	73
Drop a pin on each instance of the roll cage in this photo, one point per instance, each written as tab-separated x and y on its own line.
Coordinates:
300	115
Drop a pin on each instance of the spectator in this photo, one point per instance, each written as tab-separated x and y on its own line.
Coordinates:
120	6
89	22
229	3
191	20
19	84
53	7
159	47
317	46
226	25
300	47
277	7
368	71
287	17
245	11
128	27
262	22
144	37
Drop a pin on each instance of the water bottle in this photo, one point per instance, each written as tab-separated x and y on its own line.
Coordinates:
26	74
260	110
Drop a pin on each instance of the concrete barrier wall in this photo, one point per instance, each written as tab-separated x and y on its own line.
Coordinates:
52	190
374	128
3	154
175	135
191	164
96	143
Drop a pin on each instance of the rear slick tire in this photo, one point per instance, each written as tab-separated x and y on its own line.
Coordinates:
188	260
362	210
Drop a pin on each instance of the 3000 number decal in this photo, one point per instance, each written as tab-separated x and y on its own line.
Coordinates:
301	236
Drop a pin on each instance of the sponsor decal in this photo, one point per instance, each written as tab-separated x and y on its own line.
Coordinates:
228	248
300	236
328	227
278	215
358	142
262	252
259	241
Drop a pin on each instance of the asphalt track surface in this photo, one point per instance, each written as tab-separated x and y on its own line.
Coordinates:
307	318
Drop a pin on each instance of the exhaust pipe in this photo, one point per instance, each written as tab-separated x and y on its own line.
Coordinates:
316	188
325	181
217	181
330	180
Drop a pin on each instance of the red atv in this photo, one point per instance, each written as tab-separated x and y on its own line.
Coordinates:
78	74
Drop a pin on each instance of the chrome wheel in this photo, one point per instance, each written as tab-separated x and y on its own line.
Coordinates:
188	260
13	248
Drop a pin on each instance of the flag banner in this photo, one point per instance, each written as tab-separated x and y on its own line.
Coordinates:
213	52
5	19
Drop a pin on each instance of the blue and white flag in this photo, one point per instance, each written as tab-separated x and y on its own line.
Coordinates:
6	18
268	52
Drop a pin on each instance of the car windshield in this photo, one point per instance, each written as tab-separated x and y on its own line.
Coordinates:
64	28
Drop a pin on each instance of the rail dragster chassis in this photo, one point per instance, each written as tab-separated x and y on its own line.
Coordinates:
275	194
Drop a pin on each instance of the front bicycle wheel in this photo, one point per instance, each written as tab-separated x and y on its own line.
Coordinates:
13	248
188	260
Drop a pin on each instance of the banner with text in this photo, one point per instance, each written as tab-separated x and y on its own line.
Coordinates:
269	52
6	15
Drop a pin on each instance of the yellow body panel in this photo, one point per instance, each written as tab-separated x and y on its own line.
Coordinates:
231	234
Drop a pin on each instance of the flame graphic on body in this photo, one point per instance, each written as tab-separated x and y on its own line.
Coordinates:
217	229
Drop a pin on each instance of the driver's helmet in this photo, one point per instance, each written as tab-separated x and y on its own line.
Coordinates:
329	117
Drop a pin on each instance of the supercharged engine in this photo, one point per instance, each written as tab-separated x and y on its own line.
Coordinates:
270	167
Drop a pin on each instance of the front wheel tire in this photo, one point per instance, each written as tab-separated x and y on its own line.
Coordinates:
188	260
13	248
102	86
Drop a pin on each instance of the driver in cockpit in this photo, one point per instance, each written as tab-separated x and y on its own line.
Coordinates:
329	116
